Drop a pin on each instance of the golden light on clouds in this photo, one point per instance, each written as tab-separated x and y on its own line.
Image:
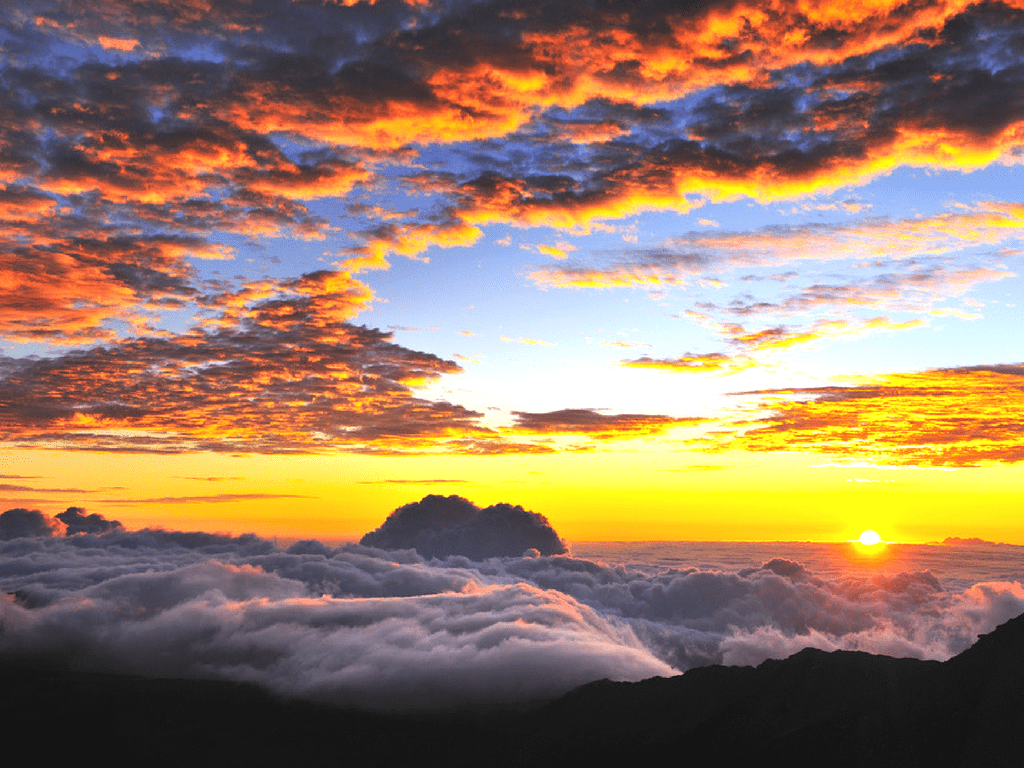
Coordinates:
276	229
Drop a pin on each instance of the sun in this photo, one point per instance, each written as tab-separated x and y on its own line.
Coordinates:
869	538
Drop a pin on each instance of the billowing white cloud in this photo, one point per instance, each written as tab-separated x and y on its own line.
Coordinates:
392	630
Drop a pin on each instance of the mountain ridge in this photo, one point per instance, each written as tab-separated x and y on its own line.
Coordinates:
839	708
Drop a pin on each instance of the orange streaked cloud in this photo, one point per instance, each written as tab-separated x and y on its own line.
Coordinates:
596	424
957	417
291	375
750	348
691	363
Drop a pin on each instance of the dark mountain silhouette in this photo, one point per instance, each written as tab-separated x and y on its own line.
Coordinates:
814	708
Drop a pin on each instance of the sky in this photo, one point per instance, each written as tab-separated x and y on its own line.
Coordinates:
718	271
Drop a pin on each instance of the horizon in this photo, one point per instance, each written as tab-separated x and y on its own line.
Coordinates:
284	541
708	272
869	548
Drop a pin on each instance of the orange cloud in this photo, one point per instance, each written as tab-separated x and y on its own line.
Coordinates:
559	252
22	204
333	178
759	347
583	132
714	362
118	44
409	240
291	361
65	287
957	417
466	81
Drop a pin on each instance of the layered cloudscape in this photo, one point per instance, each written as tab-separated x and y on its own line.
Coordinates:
393	629
505	235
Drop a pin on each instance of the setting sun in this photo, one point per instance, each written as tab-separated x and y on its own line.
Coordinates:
869	538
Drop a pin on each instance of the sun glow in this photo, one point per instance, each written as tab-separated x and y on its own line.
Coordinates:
869	538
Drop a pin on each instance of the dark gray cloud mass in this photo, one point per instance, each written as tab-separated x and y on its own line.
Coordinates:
78	521
19	522
440	526
391	629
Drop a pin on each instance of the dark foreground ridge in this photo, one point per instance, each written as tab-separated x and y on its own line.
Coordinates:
814	708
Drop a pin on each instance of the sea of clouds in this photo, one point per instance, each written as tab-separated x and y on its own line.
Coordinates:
391	629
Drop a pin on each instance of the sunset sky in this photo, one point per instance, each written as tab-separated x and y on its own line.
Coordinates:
743	271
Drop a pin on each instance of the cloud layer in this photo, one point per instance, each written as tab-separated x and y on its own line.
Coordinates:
146	147
957	417
390	629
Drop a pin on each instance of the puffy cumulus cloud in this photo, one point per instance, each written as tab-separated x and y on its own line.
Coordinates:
958	417
19	522
439	526
77	521
361	626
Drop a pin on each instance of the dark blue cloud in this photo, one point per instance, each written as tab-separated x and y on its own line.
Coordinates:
440	526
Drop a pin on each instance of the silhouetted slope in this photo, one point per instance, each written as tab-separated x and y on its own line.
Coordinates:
841	708
814	708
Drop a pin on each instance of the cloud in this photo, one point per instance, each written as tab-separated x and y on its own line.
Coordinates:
614	111
218	498
290	358
77	521
390	629
531	342
910	273
953	417
919	291
783	103
511	643
18	523
703	253
691	363
439	526
758	347
596	424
